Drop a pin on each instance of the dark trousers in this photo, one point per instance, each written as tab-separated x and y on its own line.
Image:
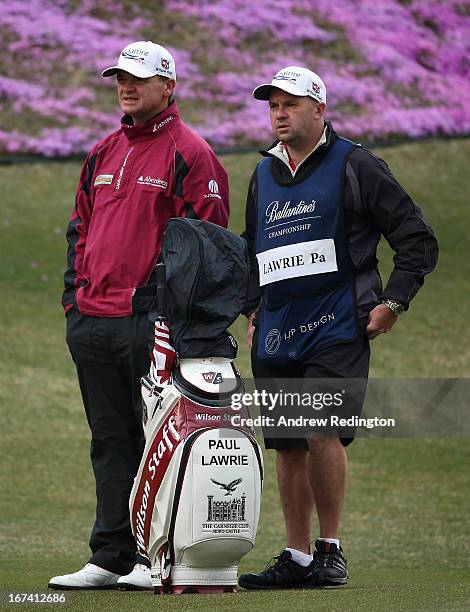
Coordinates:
346	360
111	355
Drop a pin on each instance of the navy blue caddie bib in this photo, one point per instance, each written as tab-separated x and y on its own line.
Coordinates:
304	265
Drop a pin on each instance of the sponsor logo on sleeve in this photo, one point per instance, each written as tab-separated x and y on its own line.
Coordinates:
213	187
103	179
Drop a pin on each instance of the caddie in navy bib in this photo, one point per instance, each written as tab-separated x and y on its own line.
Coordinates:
304	266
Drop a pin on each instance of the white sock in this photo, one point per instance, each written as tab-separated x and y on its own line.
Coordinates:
299	557
330	540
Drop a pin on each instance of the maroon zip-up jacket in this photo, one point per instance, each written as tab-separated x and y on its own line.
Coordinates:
131	183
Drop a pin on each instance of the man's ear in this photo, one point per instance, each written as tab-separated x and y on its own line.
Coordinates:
319	108
169	89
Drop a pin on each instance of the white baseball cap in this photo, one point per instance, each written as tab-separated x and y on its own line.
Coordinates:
144	59
296	81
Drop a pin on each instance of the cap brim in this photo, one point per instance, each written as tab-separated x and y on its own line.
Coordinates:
264	91
130	66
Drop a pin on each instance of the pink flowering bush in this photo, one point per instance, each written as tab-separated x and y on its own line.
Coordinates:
391	68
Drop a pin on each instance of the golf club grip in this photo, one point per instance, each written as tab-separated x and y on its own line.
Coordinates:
160	269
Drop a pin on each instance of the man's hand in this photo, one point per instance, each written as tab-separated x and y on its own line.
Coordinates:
250	328
381	320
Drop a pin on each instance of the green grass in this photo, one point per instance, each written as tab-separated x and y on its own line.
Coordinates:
406	527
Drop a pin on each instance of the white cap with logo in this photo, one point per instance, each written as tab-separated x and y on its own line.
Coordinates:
144	59
296	81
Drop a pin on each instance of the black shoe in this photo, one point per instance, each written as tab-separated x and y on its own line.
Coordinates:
329	565
283	574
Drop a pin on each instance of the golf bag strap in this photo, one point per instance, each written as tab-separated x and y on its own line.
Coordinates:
170	552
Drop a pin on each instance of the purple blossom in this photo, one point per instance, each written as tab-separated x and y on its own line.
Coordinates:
403	68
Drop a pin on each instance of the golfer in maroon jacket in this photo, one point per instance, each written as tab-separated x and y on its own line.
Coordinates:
149	170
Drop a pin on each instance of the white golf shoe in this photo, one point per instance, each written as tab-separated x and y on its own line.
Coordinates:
138	580
89	577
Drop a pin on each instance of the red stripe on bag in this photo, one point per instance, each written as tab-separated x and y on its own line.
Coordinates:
156	464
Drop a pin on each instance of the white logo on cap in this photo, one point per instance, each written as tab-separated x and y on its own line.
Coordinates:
283	77
213	187
134	54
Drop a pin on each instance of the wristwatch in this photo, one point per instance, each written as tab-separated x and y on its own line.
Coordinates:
396	307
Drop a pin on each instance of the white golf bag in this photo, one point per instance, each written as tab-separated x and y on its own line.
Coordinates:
196	498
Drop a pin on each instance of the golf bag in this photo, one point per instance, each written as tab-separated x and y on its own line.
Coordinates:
196	497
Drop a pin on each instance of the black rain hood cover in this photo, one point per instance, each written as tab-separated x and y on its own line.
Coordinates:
207	274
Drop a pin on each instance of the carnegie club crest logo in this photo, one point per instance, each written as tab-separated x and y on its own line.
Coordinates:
226	515
165	63
272	341
230	487
232	510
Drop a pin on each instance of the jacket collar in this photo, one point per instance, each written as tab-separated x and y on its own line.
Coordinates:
158	124
281	152
330	134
